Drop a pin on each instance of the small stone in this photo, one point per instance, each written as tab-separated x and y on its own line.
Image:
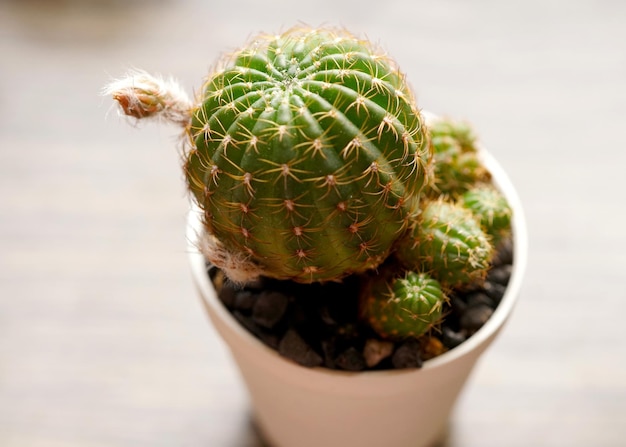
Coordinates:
351	360
326	316
432	347
458	305
494	290
476	298
269	338
376	350
329	348
244	300
504	253
474	317
451	339
500	274
294	347
407	355
269	308
227	295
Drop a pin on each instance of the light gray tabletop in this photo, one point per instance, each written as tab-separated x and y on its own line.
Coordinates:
103	341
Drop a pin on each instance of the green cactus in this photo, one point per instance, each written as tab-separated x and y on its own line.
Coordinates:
491	209
404	307
455	157
449	243
308	159
459	131
308	155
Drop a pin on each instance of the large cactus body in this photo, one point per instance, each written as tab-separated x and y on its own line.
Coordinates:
307	155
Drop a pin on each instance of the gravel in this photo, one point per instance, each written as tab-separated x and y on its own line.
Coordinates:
318	325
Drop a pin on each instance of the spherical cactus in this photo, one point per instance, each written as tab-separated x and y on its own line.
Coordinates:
491	208
449	243
456	161
459	131
399	308
308	155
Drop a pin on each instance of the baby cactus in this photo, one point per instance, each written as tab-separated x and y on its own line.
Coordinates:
459	131
456	163
491	208
405	307
448	242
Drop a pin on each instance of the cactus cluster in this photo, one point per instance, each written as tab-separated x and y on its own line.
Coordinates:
310	161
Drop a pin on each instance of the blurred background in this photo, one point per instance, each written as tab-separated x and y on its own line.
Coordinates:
102	339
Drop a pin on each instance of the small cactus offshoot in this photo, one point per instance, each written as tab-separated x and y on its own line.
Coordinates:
455	157
405	307
309	160
449	243
491	209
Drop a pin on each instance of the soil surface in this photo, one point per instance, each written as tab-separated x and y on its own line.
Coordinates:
318	324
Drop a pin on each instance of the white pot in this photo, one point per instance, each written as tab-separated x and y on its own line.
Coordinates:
296	406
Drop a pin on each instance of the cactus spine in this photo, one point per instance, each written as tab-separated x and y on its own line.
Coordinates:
307	155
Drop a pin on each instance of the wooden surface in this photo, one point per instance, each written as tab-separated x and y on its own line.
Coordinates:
102	339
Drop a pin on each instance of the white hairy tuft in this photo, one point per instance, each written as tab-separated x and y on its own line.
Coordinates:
238	268
142	95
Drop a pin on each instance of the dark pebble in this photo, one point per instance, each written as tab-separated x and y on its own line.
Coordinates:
451	339
474	317
407	355
500	274
476	298
494	290
454	310
269	338
351	360
228	295
269	308
504	254
326	316
244	300
294	347
329	348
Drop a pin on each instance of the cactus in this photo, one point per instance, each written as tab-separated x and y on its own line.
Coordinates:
491	209
405	307
459	131
448	242
308	155
309	161
456	162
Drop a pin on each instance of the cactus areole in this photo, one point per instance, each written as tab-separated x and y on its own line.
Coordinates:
307	157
